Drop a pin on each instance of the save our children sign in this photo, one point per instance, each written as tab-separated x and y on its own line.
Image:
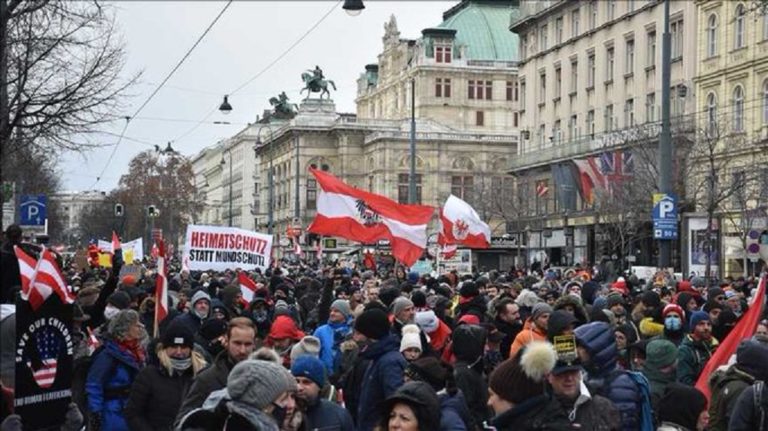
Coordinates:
219	248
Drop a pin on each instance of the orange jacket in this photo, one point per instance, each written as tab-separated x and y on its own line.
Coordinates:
528	334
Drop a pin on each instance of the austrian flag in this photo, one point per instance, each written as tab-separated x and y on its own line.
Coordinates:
357	215
462	225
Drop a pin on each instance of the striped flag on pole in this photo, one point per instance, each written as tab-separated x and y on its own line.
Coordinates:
41	278
161	287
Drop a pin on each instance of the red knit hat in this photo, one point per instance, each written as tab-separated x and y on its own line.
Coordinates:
620	286
284	327
673	307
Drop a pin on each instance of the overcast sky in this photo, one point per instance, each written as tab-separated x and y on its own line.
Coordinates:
249	36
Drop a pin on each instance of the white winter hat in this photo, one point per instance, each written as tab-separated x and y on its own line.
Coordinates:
411	338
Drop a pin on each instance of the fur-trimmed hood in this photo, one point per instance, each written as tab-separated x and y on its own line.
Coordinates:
578	308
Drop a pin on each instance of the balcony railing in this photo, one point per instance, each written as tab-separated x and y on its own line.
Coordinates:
440	136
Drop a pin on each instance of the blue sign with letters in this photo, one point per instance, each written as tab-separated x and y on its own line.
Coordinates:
664	216
33	210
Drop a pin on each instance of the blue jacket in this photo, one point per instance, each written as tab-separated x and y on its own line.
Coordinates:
331	336
110	377
382	378
454	413
327	416
605	378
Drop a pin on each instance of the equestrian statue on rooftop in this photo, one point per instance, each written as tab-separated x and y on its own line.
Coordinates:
315	82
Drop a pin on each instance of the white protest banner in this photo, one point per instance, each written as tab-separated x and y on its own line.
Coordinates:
132	250
220	248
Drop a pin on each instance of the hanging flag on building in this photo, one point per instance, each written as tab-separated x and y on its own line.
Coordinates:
602	172
161	287
357	215
462	225
542	188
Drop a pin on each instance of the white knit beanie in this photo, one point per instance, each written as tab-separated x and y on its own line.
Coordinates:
410	338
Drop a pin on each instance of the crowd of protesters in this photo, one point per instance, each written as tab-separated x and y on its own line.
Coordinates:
326	347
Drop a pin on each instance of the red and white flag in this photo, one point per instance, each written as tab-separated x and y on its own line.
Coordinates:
41	278
462	225
161	287
448	251
357	215
745	328
247	286
542	188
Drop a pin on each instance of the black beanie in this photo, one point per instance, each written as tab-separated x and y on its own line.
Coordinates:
651	299
373	323
213	328
388	295
419	299
177	334
682	405
469	289
428	369
558	321
119	300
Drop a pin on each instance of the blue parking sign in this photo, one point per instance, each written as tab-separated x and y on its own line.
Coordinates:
664	216
33	210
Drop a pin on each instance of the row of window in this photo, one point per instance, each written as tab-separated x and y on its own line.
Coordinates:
529	42
476	89
738	102
610	64
739	30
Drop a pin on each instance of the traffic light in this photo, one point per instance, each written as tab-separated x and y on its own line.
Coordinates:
118	210
152	211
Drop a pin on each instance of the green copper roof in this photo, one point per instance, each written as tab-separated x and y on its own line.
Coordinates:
483	26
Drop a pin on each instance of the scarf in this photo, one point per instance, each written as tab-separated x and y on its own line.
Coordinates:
133	348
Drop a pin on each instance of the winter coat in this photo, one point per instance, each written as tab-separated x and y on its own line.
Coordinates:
537	413
108	385
11	278
331	336
590	412
746	416
381	379
468	346
454	413
529	333
604	378
726	386
510	331
475	306
155	398
692	355
327	416
578	308
211	379
351	376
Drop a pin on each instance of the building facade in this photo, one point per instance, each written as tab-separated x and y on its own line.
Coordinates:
589	84
72	205
732	89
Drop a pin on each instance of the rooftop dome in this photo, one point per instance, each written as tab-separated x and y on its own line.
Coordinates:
483	26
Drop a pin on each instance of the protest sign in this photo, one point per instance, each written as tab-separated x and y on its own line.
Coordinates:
132	250
44	349
220	248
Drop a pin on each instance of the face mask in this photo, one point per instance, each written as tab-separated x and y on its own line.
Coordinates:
279	413
672	323
110	312
181	364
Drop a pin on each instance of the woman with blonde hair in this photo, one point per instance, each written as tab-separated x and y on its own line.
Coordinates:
159	389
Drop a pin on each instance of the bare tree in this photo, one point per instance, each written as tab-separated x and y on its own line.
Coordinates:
60	75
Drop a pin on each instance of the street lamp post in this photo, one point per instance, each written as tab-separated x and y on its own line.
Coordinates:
665	139
270	177
229	150
412	172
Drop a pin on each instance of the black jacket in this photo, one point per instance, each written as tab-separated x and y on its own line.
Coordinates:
155	398
327	416
536	413
510	331
211	379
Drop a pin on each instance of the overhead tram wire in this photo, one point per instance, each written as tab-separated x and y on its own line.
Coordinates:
262	71
151	96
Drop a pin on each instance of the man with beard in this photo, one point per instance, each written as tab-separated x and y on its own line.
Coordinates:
696	349
239	343
507	321
320	414
200	306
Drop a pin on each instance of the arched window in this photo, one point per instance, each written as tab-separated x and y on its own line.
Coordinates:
711	113
765	102
740	22
712	36
738	109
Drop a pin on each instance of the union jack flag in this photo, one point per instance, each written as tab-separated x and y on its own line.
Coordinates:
44	371
616	165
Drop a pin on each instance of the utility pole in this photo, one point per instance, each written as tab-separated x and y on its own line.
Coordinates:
665	139
412	173
230	187
296	199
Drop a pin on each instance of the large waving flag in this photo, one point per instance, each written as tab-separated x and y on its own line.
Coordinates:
744	329
247	286
161	287
357	215
41	278
462	225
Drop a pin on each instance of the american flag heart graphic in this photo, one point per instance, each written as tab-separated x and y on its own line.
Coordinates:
48	348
